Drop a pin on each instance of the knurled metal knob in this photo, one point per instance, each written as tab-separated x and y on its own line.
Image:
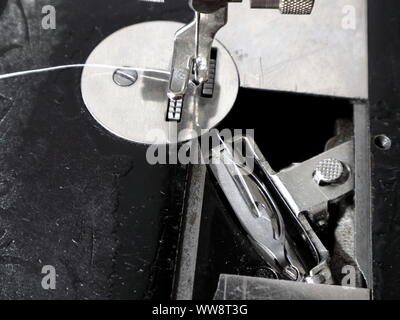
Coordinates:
329	171
286	6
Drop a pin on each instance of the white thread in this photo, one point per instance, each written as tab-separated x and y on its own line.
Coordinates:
70	66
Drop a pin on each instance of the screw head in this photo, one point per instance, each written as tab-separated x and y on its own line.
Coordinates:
329	171
125	77
383	142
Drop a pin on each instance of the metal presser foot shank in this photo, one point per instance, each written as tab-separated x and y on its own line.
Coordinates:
193	60
192	63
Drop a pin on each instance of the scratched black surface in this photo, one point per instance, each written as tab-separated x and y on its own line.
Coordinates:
71	195
384	65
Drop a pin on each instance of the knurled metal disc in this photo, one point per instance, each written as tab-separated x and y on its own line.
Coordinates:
138	112
329	171
296	6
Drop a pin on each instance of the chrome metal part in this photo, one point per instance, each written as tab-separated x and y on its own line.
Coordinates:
207	89
257	212
125	77
304	195
329	171
300	192
192	45
328	49
137	113
191	54
261	217
285	6
175	110
234	287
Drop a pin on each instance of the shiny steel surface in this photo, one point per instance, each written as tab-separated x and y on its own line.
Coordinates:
257	212
324	53
192	48
234	287
296	6
329	171
137	113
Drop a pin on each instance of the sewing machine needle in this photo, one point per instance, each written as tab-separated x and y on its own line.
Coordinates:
197	44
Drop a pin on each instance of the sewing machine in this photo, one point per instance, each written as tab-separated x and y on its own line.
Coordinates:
299	216
193	85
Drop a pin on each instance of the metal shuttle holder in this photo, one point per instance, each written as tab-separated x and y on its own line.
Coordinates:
305	198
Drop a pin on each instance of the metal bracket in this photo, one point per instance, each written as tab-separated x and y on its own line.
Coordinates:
301	189
194	55
300	186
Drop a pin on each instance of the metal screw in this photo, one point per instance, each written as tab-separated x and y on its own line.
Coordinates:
329	171
125	77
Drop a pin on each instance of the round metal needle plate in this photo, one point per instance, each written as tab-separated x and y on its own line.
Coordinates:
137	112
